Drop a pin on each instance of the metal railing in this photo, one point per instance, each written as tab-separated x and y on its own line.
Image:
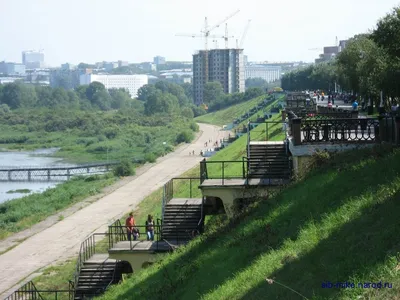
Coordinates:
182	187
29	292
333	130
265	131
177	235
224	170
116	233
87	250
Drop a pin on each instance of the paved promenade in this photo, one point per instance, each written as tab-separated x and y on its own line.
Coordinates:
63	239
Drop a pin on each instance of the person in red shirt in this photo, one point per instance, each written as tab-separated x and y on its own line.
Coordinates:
130	227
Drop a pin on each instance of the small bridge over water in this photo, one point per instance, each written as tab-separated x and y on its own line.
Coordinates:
52	173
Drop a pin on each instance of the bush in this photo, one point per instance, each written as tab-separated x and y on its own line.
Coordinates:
184	137
194	127
124	168
150	157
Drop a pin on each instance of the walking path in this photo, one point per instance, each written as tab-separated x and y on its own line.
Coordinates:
62	240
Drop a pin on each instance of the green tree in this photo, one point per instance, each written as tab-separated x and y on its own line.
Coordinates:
145	91
213	92
17	95
93	89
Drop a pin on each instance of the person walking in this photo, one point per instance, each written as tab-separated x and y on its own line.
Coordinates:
150	228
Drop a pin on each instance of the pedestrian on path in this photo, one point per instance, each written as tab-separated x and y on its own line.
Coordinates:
150	228
130	227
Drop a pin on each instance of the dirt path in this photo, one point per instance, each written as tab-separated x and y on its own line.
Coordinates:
61	240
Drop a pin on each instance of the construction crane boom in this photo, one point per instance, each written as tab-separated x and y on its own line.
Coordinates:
206	35
226	19
240	44
194	35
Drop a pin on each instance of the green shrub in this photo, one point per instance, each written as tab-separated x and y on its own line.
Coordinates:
124	168
184	137
194	127
150	157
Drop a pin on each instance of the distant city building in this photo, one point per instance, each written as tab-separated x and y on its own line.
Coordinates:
12	69
342	45
224	65
245	59
4	80
177	77
122	63
131	83
67	78
68	66
109	66
33	59
266	72
329	53
159	60
148	66
38	77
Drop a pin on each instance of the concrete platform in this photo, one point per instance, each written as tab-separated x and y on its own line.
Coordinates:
267	143
145	246
100	258
185	201
216	183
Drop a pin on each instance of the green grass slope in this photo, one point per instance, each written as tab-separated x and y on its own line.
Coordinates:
226	116
341	224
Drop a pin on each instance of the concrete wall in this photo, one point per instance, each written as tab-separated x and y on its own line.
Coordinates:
137	260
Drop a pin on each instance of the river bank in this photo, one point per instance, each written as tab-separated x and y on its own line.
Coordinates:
62	240
20	159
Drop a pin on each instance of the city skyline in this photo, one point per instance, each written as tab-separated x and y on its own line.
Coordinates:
83	32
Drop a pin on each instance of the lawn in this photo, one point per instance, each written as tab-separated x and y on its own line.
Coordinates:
19	214
152	204
227	115
340	224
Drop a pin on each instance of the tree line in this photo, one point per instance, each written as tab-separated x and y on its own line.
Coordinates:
86	97
369	64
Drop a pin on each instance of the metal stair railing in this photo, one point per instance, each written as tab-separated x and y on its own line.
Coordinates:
27	291
86	251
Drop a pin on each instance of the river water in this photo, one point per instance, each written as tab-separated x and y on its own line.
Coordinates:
37	158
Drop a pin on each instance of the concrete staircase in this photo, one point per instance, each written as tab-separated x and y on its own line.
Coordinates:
95	276
269	160
181	218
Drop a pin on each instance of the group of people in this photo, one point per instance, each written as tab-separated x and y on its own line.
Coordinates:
134	233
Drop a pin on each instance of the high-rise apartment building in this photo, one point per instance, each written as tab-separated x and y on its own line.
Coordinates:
223	65
159	60
33	59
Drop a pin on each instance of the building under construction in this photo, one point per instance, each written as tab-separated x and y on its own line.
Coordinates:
222	65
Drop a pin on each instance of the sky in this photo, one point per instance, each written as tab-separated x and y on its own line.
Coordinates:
90	31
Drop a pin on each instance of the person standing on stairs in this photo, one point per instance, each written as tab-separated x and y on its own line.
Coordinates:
130	227
150	228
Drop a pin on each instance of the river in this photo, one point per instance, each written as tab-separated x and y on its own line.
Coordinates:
37	158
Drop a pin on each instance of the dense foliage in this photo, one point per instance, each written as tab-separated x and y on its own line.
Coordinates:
92	123
369	64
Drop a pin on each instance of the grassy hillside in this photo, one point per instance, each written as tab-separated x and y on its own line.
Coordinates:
152	203
226	116
340	224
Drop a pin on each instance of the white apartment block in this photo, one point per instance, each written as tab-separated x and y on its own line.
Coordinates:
131	83
268	73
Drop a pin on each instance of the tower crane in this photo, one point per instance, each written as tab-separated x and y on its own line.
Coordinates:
240	44
205	33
